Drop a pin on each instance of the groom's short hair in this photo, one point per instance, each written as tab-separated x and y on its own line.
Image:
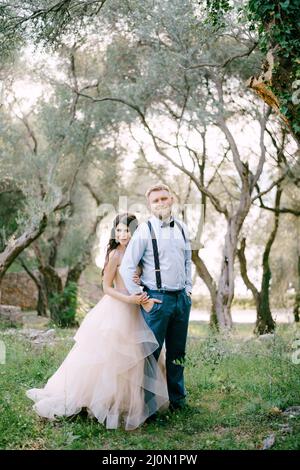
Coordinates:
157	187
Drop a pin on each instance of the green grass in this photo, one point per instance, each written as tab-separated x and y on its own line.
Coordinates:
237	387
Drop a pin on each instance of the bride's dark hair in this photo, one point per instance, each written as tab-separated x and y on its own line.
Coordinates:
127	219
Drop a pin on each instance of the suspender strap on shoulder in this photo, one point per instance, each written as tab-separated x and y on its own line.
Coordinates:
155	254
181	228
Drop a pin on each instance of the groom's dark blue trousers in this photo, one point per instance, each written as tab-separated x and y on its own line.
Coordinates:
169	322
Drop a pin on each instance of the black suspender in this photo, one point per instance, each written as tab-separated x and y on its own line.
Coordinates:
155	254
155	251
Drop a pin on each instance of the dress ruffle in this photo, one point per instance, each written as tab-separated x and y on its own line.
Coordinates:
110	370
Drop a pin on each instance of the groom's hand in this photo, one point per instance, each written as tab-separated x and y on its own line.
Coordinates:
148	304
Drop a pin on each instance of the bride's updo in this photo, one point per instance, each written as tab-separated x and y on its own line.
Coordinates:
127	219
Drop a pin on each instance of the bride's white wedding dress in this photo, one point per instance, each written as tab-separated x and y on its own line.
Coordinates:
110	369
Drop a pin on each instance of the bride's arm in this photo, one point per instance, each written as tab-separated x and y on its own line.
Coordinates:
108	277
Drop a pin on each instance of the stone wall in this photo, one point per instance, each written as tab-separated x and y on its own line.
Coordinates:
20	290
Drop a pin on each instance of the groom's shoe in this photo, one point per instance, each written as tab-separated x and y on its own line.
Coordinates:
178	406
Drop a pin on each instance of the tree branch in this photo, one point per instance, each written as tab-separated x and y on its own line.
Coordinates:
214	200
228	61
223	126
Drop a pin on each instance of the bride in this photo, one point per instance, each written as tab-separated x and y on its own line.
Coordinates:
110	370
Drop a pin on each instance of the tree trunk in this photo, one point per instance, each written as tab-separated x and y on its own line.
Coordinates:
210	284
234	225
297	307
68	302
53	287
297	296
264	322
225	290
42	303
222	295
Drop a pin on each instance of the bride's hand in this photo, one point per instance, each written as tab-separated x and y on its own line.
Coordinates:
138	298
148	304
136	278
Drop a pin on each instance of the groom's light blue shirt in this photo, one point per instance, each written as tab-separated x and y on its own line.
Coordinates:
174	257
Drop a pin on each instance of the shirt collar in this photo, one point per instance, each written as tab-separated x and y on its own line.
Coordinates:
161	223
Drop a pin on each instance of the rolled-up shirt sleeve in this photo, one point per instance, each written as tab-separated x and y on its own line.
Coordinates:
132	256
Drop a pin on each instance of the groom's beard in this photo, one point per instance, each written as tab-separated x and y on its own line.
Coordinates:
164	213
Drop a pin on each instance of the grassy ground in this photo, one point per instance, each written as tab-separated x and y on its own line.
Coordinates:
238	388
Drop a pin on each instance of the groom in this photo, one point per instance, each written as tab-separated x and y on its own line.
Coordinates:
162	246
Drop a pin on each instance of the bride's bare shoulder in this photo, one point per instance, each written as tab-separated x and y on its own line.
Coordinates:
115	256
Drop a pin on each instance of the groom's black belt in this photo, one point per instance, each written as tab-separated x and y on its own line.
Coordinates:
164	291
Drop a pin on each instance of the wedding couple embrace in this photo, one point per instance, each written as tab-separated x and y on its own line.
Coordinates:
127	362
